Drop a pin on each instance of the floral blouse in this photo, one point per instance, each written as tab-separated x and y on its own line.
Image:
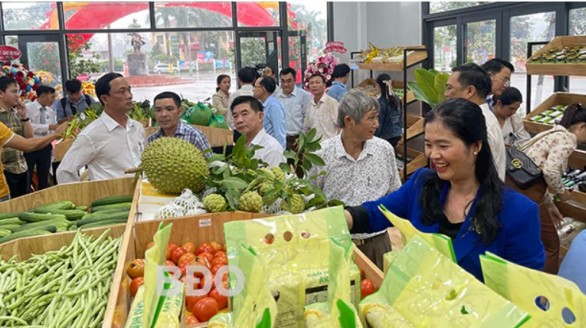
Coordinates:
551	153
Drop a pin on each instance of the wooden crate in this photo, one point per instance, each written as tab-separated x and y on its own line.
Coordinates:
558	98
558	69
413	57
197	229
217	137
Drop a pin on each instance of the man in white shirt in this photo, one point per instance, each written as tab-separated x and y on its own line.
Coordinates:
500	72
43	122
111	144
471	82
322	112
247	113
359	166
295	101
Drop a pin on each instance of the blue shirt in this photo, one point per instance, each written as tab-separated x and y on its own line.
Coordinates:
518	239
274	119
295	105
389	119
337	90
81	105
188	133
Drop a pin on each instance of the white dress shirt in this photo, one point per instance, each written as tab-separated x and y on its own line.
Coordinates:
295	106
33	111
495	140
323	116
107	148
272	151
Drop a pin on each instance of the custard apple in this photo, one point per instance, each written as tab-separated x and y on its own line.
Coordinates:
295	205
270	175
279	174
250	202
215	203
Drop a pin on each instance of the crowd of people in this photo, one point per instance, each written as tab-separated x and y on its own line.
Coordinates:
465	195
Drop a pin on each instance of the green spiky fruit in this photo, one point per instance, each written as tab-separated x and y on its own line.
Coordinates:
295	205
269	174
215	203
279	174
173	164
265	187
250	202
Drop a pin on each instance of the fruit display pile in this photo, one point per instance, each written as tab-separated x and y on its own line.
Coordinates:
64	215
551	116
566	55
375	54
64	288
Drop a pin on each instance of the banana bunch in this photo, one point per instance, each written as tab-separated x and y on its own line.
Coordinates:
375	54
80	121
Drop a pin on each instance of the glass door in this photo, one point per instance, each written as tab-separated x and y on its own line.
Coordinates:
40	53
298	54
257	49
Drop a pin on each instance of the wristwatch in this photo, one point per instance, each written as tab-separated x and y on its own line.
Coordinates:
25	119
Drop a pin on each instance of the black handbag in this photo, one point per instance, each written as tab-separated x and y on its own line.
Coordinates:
520	168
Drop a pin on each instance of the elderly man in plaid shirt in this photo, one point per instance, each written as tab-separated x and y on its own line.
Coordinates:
167	112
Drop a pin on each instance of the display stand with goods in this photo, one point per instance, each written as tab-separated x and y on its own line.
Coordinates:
399	59
544	116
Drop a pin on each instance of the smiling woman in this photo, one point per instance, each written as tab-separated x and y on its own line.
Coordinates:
463	198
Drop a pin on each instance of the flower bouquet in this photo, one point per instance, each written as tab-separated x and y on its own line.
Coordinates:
26	80
324	65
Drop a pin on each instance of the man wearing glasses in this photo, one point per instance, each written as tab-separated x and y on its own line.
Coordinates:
295	101
500	72
13	114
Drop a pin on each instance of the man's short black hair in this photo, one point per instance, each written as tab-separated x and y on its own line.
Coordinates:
495	65
103	84
43	89
247	74
254	103
73	85
472	74
5	81
268	83
340	70
167	95
288	70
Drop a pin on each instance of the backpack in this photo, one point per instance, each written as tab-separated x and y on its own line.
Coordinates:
88	101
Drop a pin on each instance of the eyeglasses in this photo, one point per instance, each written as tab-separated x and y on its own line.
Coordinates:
506	81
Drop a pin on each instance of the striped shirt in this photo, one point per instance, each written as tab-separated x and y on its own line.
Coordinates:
12	159
188	133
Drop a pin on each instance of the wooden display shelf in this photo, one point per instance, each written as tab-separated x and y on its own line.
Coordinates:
573	209
410	96
558	98
558	69
577	159
413	57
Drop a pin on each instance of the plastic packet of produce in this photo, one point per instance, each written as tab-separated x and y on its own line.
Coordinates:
425	288
170	308
296	249
254	305
552	301
439	241
338	311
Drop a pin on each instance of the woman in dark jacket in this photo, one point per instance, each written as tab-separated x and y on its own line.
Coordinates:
389	117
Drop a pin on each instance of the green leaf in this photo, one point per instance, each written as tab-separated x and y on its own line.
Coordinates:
314	159
311	134
234	183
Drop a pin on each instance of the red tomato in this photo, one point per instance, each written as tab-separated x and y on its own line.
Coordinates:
202	283
221	299
170	248
190	321
186	258
207	256
134	284
205	248
205	309
191	300
176	254
172	273
220	254
219	260
366	288
189	247
135	268
216	246
215	268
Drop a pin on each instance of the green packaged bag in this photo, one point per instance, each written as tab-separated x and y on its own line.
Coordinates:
217	121
424	288
296	249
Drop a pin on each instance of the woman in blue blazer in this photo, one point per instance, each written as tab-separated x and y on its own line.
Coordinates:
463	196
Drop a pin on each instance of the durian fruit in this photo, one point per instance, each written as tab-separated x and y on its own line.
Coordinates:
295	205
173	164
250	202
279	174
215	203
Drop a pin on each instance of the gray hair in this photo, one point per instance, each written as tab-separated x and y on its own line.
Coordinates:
355	104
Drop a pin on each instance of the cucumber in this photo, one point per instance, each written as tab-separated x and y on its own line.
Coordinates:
36	217
9	215
58	223
11	227
73	227
97	217
82	208
14	220
5	232
22	234
124	206
103	223
60	205
112	200
72	214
